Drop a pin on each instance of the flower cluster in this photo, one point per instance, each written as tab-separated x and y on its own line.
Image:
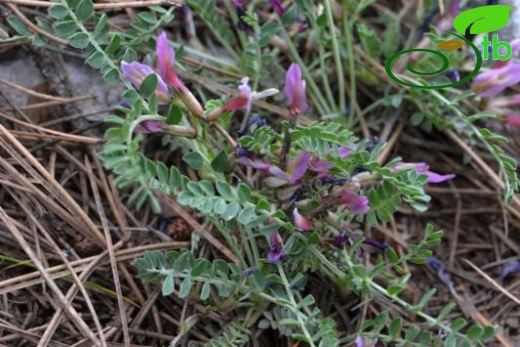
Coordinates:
170	89
292	174
169	86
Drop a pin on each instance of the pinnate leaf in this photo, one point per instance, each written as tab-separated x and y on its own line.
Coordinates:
79	40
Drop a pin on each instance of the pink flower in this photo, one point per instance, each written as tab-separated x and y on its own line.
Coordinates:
356	203
423	168
433	177
165	62
242	101
498	104
505	106
514	120
490	83
295	90
301	222
136	72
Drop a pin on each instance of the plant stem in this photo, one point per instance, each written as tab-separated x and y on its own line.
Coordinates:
294	309
347	31
325	75
337	58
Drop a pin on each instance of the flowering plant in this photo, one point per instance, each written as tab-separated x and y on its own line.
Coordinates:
285	200
315	184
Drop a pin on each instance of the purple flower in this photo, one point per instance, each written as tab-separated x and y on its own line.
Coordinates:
301	222
241	24
376	244
509	268
490	83
277	5
441	273
362	342
322	166
339	241
276	252
255	120
453	75
296	168
136	72
167	79
433	177
259	165
150	126
356	203
515	46
243	152
165	62
423	168
295	90
247	273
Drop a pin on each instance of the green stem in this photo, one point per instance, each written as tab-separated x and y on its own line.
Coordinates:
293	302
337	58
347	31
325	75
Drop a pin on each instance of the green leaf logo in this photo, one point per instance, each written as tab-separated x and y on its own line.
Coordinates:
483	19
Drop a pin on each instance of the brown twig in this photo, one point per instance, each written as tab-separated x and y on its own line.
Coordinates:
77	281
70	310
111	253
514	208
33	166
32	92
